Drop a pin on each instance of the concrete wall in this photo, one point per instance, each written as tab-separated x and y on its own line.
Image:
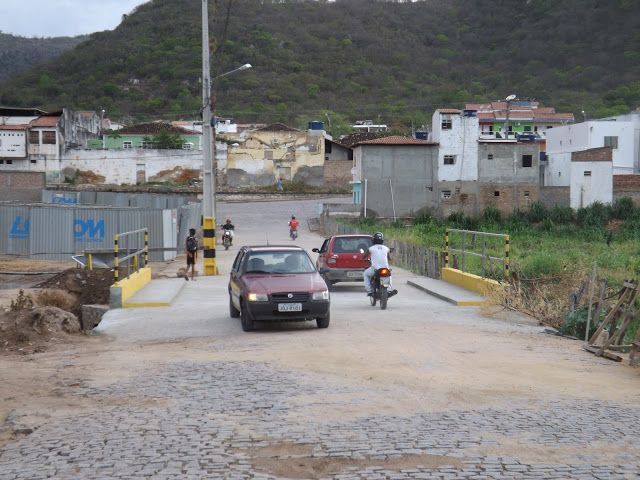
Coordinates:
13	143
23	186
555	196
405	169
597	187
627	186
122	166
260	157
461	141
337	173
506	166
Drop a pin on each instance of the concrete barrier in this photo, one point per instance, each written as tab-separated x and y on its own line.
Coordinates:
124	289
471	282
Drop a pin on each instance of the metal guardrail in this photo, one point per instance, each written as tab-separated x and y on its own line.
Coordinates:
131	257
468	249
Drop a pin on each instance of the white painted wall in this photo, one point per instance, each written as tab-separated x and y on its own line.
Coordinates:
583	136
462	142
120	166
13	143
598	187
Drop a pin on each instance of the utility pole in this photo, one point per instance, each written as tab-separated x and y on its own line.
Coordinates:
208	175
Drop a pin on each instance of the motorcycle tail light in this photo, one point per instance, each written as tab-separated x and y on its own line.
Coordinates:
384	272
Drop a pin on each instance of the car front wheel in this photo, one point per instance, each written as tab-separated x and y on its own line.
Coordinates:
245	318
323	322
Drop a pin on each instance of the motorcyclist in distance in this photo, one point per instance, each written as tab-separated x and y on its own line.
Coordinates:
379	255
229	227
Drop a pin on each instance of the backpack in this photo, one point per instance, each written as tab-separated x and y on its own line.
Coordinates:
192	244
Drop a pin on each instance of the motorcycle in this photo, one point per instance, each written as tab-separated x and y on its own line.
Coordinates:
380	283
226	239
293	234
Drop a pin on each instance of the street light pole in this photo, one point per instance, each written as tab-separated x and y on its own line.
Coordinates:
208	177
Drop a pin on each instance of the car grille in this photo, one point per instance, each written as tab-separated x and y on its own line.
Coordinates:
296	297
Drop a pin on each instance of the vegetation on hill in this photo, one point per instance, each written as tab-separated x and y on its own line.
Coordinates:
18	54
350	59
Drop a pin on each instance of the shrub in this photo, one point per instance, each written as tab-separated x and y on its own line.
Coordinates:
492	216
21	302
561	215
595	215
56	298
537	212
623	208
542	264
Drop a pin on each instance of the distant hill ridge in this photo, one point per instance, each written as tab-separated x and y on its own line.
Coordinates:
350	59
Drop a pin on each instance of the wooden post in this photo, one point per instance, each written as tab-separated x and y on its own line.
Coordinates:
592	280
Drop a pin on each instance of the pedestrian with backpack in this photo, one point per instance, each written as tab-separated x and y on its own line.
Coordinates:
191	248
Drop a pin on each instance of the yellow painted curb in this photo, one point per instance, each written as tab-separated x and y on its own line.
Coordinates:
469	281
471	303
145	304
124	289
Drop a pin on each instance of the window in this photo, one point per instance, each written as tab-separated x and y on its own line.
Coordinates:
9	162
187	146
33	160
490	128
549	127
147	145
449	159
327	147
446	124
49	137
34	137
587	173
526	193
1	162
350	155
527	161
490	156
496	193
527	128
446	193
128	144
535	129
611	142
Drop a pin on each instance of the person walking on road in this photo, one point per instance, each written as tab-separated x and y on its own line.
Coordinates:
191	248
293	227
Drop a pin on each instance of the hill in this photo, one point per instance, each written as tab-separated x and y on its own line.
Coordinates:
18	54
351	59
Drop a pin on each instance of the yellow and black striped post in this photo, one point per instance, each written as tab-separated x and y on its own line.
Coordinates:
446	249
506	257
209	245
116	260
146	247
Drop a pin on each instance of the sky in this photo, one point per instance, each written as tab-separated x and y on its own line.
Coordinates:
57	18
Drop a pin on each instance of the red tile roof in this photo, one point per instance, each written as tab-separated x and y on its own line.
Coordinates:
278	127
45	121
13	127
396	140
449	110
153	129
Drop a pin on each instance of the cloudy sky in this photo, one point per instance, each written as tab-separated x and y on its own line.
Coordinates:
54	18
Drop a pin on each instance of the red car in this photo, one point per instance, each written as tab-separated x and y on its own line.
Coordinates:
274	283
341	258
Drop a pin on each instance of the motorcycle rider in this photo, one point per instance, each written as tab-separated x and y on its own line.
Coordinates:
379	254
229	227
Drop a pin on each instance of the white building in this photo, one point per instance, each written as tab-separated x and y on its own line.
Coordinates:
591	177
457	133
622	136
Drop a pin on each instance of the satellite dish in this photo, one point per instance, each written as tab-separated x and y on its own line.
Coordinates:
510	98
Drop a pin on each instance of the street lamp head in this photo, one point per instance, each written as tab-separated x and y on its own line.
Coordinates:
511	98
246	66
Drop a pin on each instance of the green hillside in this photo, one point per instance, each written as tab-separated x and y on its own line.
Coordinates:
354	59
18	54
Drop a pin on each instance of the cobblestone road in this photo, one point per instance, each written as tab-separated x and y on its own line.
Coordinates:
230	420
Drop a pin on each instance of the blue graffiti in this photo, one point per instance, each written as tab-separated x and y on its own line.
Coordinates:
65	200
89	230
20	228
86	230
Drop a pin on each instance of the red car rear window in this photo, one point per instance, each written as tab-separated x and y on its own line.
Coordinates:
351	244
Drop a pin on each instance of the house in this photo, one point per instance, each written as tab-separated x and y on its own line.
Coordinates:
338	161
394	176
522	118
34	140
262	155
591	177
143	136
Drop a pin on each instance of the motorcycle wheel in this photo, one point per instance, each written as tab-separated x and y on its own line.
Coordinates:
226	244
384	295
372	298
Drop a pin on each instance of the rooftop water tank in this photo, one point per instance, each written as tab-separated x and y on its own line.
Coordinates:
422	135
316	125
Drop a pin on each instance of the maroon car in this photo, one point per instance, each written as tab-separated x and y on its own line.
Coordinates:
341	258
273	283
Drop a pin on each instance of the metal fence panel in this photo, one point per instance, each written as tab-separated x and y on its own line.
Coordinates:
51	232
14	229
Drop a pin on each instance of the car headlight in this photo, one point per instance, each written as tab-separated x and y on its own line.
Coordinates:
258	297
324	295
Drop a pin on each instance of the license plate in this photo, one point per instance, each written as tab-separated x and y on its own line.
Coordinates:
385	281
289	307
354	274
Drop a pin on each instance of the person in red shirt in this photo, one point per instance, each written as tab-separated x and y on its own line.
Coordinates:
293	227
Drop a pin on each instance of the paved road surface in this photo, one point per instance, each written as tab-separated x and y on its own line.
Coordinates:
423	390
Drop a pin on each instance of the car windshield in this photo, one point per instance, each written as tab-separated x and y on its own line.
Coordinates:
279	262
351	244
